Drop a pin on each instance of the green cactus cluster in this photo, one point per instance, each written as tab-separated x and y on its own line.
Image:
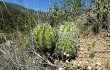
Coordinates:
66	45
45	37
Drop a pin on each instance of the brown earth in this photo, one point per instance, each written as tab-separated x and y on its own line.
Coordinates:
93	54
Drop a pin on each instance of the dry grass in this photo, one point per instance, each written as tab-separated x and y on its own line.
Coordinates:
21	55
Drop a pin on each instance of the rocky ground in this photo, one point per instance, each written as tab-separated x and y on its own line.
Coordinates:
93	53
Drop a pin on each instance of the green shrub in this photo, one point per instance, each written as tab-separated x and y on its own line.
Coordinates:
67	45
45	37
92	54
2	40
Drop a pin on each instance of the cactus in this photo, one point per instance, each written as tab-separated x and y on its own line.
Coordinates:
45	37
67	45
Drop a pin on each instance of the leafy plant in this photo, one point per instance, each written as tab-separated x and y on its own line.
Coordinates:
67	45
91	54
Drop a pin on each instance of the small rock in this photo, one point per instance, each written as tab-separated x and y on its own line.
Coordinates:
87	62
78	64
98	63
89	68
9	42
81	49
61	69
67	61
85	54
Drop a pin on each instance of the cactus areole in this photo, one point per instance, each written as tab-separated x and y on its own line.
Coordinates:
45	37
67	44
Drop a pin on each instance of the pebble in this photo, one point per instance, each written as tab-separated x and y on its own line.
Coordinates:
61	69
89	68
64	68
80	62
98	63
85	54
81	49
87	62
67	61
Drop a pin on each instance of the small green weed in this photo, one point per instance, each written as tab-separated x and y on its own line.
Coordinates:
92	54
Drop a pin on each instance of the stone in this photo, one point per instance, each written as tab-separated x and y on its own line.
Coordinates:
89	68
99	64
61	69
67	61
81	49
